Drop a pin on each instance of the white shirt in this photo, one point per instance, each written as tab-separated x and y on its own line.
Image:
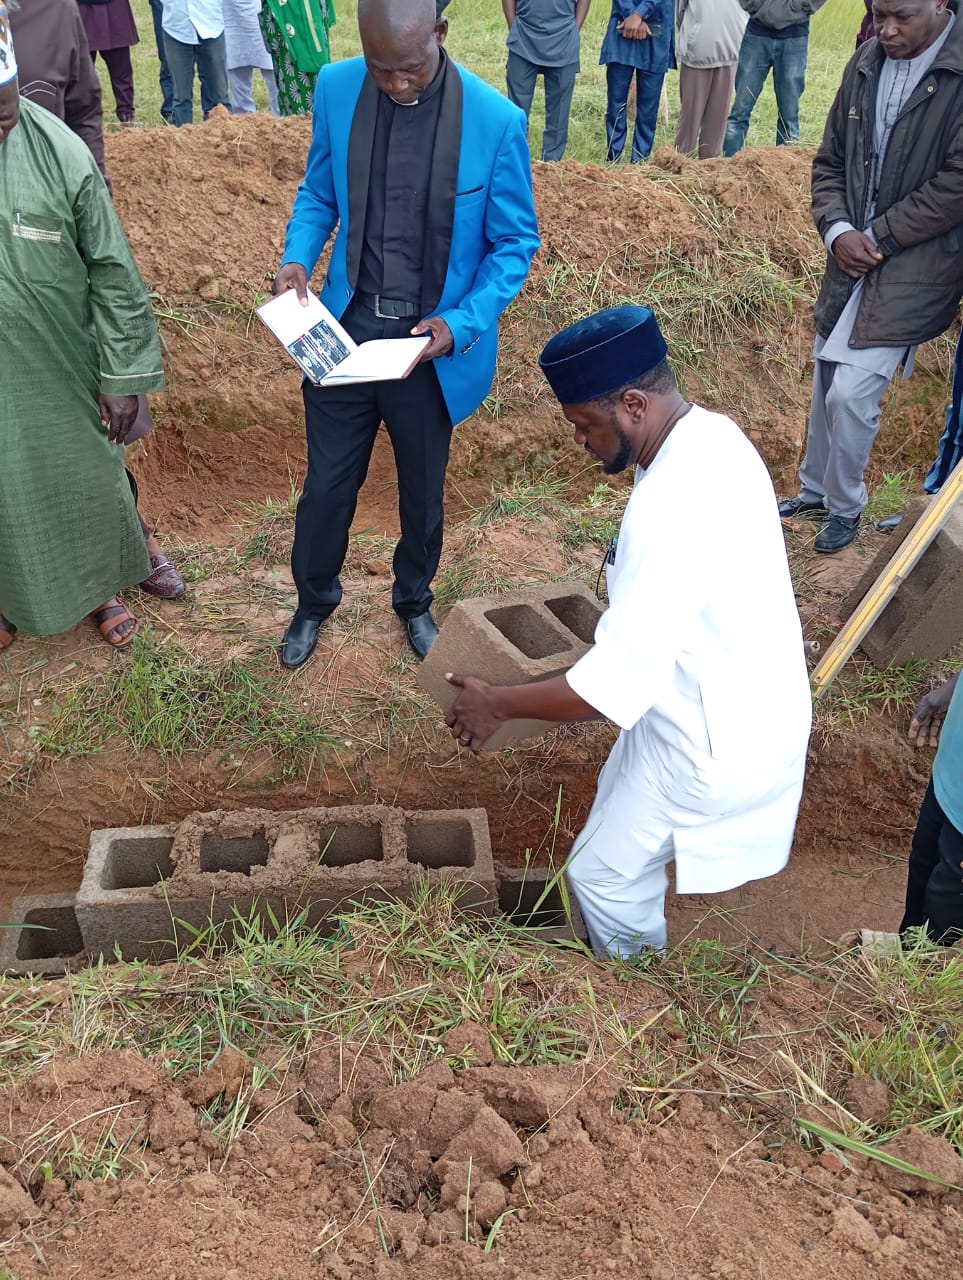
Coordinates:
190	21
699	659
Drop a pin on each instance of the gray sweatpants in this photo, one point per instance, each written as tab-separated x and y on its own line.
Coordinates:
843	423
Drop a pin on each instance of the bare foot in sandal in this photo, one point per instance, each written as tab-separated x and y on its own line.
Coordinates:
7	632
115	622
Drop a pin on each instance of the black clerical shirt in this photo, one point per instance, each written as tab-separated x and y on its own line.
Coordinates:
393	249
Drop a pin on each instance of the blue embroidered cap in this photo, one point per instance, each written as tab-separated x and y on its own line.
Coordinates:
601	353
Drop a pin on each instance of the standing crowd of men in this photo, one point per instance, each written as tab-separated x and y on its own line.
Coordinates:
421	173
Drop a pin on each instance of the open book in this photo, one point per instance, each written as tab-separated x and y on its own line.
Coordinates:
325	351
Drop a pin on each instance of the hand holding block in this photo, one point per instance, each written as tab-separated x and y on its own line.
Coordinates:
514	638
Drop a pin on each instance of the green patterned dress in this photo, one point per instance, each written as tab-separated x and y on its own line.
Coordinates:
296	34
75	323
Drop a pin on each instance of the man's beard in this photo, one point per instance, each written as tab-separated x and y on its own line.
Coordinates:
623	459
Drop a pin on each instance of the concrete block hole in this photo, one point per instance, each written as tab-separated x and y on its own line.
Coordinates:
234	853
527	630
134	864
343	846
520	902
577	614
53	932
437	843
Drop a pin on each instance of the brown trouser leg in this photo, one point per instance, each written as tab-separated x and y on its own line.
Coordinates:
706	94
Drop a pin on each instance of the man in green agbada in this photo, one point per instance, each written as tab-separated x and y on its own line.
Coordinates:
78	343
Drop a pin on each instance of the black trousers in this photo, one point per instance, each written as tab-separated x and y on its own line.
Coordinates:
934	887
342	423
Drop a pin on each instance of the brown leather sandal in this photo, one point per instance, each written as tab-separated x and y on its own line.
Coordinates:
7	633
110	617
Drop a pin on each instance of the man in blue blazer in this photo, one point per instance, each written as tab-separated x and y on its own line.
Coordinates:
427	170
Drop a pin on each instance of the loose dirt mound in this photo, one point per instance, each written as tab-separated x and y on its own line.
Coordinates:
489	1171
724	250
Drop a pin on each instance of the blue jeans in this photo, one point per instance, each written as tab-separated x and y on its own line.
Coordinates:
166	84
648	90
787	60
209	57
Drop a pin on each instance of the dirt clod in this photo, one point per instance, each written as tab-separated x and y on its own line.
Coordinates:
930	1154
225	1075
868	1099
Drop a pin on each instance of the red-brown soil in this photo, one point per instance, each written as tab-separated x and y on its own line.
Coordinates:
484	1171
205	210
695	1194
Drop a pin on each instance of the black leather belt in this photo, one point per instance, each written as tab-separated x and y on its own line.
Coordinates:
388	308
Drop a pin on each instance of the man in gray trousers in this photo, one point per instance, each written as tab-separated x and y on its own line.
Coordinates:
543	40
888	203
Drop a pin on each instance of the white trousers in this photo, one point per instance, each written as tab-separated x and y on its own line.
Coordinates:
624	914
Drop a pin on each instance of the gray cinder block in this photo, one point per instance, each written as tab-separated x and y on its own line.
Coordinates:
515	638
454	846
147	890
126	897
43	936
925	617
524	896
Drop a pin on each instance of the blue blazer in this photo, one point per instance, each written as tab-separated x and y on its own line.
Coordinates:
482	231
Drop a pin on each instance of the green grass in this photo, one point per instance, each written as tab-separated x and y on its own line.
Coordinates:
890	496
715	1020
165	699
477	39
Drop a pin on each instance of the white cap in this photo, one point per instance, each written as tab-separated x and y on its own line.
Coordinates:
8	63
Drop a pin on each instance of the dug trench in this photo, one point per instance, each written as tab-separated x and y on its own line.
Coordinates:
727	256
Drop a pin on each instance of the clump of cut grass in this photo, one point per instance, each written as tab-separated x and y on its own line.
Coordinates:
272	526
890	497
526	496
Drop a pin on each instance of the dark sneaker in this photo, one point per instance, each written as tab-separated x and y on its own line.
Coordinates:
789	508
837	532
890	524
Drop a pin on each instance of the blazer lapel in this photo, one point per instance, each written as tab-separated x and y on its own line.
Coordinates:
360	143
442	187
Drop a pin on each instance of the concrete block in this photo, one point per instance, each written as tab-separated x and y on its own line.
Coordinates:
925	617
43	936
515	638
349	854
453	846
126	897
524	896
147	890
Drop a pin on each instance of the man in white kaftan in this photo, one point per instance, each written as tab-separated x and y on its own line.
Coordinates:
702	617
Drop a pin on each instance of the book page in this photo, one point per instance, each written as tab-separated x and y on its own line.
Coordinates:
311	334
325	350
380	360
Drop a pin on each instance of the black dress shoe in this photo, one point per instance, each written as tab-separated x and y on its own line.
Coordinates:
791	507
299	641
422	634
837	532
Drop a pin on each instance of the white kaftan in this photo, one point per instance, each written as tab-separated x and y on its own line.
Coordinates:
699	659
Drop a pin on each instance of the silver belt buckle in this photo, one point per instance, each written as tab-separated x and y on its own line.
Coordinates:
378	312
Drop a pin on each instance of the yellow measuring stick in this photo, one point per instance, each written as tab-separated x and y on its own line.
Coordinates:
887	584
